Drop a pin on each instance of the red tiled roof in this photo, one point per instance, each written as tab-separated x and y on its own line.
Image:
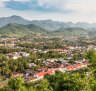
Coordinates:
53	69
44	73
71	67
74	67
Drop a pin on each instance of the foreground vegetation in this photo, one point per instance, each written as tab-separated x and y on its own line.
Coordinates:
80	80
72	81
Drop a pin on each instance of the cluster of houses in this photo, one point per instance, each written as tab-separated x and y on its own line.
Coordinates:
16	55
51	66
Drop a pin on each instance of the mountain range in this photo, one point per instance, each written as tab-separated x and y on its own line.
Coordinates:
47	24
18	26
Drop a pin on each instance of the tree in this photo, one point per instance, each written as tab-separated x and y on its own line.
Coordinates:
2	57
91	55
16	83
43	85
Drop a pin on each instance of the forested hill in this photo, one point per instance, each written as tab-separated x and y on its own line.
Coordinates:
18	30
16	26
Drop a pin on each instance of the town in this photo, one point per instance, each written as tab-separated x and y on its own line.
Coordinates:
47	45
44	57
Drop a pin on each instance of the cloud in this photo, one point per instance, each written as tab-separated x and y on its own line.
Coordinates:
21	0
55	3
62	10
2	2
39	5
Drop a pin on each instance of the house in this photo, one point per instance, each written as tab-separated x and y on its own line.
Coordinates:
63	61
16	74
16	55
13	55
60	50
32	65
62	69
71	47
76	66
50	60
24	54
42	74
42	69
70	68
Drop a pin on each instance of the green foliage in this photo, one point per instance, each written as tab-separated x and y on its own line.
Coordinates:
70	81
43	85
16	84
65	82
2	57
91	55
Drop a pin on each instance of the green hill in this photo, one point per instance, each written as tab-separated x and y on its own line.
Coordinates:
17	30
72	32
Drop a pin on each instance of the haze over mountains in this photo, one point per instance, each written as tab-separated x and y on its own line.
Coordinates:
18	26
47	24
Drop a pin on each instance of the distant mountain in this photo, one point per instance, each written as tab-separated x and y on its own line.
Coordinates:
46	24
13	19
56	25
50	25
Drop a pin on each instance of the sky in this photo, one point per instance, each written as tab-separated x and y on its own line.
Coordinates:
58	10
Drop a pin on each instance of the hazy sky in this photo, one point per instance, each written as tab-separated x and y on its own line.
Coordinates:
60	10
